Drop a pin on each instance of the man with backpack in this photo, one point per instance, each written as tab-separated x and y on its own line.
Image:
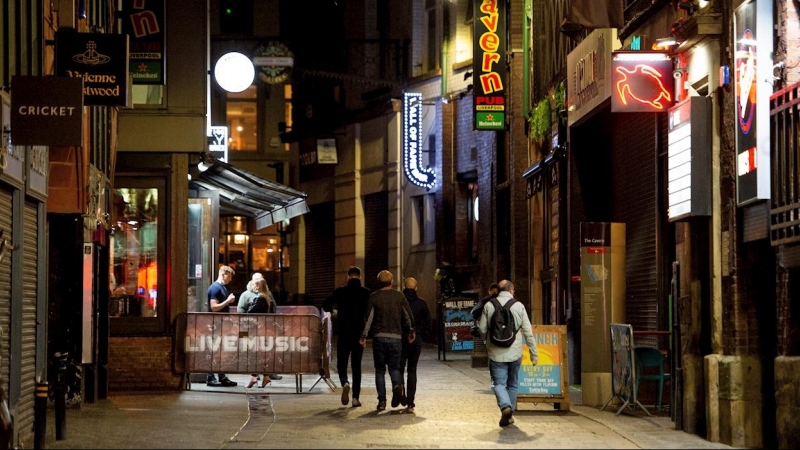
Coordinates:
505	324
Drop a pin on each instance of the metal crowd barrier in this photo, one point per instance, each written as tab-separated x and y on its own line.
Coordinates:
296	340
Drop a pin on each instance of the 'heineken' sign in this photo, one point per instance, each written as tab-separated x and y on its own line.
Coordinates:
489	65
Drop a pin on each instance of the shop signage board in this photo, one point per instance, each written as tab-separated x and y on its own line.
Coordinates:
46	111
641	82
143	22
752	29
457	315
489	65
548	381
689	159
418	175
101	60
218	142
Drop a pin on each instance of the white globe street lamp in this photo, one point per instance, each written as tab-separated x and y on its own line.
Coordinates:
234	72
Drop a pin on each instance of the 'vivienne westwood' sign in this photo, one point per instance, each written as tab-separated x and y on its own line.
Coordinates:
412	142
489	65
100	60
46	111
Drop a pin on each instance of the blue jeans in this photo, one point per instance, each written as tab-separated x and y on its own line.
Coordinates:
386	352
504	382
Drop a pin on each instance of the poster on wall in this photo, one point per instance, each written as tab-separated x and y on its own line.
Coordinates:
752	62
489	65
457	322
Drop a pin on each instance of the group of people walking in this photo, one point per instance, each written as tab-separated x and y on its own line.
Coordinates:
398	324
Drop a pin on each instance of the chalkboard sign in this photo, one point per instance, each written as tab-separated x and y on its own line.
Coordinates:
457	321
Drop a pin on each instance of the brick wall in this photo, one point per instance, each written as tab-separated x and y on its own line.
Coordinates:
787	47
141	363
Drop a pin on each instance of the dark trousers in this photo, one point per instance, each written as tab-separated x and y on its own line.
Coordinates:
348	348
410	358
386	352
210	376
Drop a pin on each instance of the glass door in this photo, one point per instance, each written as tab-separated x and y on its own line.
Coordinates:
203	242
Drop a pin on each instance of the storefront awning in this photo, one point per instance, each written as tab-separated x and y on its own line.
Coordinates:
242	193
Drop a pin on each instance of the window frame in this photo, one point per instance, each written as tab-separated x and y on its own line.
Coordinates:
128	326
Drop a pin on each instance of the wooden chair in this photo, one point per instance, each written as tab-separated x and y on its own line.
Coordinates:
650	357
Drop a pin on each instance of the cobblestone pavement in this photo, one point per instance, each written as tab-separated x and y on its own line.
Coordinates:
455	408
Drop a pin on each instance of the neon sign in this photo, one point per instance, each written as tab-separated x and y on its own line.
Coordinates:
642	82
412	142
489	65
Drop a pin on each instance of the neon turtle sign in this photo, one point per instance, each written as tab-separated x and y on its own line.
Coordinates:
412	142
642	82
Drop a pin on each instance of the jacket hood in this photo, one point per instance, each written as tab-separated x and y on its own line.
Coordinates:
411	294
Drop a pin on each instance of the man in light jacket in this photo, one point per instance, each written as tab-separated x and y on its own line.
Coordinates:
504	362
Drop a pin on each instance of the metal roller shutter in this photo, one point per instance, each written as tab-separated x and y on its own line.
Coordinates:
320	257
30	251
5	291
376	238
635	204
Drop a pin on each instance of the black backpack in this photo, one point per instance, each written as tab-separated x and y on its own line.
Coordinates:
502	327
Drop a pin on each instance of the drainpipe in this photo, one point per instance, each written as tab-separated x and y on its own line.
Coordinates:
526	63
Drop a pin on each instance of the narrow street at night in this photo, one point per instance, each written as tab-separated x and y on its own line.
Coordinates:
455	408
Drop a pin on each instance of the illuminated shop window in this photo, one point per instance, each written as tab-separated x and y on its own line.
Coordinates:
136	278
241	112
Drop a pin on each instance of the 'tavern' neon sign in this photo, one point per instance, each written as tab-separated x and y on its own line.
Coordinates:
642	82
412	142
489	65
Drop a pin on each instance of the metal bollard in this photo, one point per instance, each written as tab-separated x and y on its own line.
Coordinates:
61	396
40	415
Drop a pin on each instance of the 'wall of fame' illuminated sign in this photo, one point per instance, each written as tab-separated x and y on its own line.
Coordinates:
641	82
412	142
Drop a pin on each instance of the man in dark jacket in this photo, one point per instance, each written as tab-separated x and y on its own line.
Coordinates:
351	304
413	349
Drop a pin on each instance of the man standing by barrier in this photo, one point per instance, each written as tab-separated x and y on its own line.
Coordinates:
413	349
350	301
219	301
505	359
388	320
